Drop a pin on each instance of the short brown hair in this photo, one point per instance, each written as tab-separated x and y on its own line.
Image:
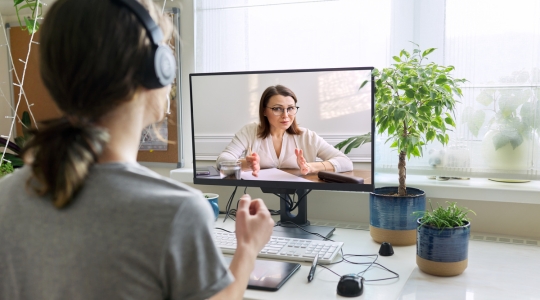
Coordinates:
264	126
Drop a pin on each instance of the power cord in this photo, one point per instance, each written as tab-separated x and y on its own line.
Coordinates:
345	256
231	212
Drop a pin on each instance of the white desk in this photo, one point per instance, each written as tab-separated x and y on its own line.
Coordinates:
496	271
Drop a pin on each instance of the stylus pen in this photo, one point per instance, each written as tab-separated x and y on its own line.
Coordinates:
313	267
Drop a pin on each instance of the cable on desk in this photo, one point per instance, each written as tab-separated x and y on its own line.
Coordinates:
228	206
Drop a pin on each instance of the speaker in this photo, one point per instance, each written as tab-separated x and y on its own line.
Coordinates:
160	68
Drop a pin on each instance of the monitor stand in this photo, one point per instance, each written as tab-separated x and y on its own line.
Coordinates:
296	226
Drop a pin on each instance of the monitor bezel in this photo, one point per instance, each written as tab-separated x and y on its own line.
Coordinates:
327	186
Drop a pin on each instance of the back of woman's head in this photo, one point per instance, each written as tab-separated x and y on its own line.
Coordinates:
91	55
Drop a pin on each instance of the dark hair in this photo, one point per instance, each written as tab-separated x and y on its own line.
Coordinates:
264	126
90	62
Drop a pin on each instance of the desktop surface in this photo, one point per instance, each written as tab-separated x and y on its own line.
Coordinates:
495	271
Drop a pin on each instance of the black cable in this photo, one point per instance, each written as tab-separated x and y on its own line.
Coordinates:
300	200
287	199
245	190
314	233
224	229
228	206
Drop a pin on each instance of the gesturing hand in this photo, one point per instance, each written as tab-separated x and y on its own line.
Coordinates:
301	161
253	224
253	161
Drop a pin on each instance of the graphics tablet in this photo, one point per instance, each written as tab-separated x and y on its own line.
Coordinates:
269	275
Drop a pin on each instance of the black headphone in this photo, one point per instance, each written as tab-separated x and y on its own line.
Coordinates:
160	68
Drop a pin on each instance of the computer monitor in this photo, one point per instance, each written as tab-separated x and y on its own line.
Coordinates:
226	118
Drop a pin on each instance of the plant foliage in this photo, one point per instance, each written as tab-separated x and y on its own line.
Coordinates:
449	217
36	8
16	147
353	142
6	168
513	112
415	101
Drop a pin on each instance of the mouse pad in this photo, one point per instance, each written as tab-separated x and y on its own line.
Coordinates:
269	275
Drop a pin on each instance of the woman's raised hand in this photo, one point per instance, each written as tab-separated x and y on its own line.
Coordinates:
254	162
302	163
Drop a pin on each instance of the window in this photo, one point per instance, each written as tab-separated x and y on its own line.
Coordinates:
245	35
495	45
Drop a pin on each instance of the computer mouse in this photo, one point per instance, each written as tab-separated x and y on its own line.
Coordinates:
350	285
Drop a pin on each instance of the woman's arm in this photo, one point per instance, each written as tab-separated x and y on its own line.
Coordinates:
315	146
253	229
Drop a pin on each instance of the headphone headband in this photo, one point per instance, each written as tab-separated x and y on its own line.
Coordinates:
154	32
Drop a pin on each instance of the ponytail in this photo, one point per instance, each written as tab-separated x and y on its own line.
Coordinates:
60	155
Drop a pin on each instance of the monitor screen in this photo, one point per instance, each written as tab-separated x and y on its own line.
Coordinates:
231	125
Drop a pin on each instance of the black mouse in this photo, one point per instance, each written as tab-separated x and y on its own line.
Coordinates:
350	285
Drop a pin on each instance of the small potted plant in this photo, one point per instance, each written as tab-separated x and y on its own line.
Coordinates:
414	105
442	244
16	147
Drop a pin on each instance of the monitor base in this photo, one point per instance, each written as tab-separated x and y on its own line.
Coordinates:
297	233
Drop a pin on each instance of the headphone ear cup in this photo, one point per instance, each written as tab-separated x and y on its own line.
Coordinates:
164	65
160	68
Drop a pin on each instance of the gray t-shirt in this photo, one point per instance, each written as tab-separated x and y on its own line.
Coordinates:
128	234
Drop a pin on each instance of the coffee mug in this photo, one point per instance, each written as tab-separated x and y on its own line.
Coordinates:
213	200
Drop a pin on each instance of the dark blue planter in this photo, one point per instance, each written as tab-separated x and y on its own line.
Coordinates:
391	217
443	245
394	212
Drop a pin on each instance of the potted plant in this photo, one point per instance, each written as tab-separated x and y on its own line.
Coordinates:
414	104
15	158
511	115
443	240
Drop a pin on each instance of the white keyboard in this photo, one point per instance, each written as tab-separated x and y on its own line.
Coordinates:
284	248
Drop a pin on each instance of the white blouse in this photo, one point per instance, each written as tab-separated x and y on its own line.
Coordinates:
313	146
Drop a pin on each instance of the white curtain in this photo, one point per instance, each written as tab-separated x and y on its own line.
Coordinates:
244	35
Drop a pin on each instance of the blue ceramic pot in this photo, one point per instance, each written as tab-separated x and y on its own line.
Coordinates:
391	217
442	252
443	245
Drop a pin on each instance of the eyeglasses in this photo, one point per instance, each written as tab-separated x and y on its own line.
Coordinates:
278	111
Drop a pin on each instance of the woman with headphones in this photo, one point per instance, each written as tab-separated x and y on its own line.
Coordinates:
82	219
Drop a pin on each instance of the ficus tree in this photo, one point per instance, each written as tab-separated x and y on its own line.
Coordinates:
414	104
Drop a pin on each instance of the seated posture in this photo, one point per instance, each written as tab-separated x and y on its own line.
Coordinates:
278	142
82	219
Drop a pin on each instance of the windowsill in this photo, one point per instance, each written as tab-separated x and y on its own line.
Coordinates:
480	189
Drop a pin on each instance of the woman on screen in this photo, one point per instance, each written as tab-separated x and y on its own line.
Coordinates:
278	142
82	219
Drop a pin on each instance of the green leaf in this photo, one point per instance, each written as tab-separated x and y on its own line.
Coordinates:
430	135
427	52
475	121
31	25
449	121
17	2
16	161
486	97
500	140
27	6
363	84
415	152
409	93
396	58
441	79
424	109
399	114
